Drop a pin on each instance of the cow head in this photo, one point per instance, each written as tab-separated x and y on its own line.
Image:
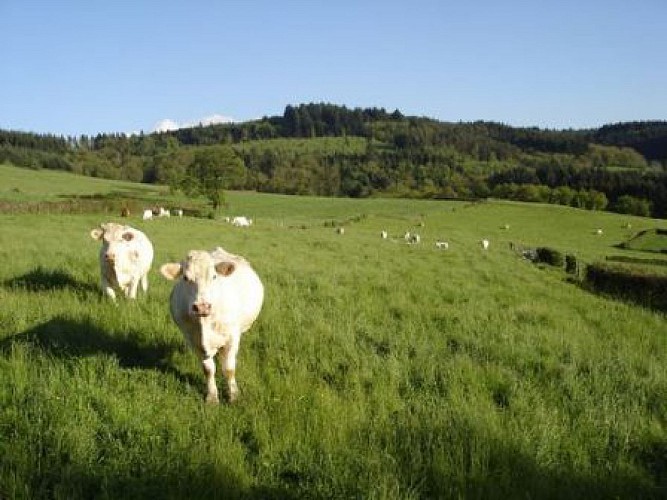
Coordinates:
197	276
116	240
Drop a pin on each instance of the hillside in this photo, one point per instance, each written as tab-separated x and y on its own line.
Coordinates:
377	369
648	241
329	150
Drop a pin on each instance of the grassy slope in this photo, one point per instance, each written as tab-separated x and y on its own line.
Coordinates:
376	369
649	241
20	184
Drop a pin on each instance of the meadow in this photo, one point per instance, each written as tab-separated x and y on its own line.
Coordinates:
376	369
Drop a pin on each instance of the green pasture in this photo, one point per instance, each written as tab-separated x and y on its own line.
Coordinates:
21	184
377	369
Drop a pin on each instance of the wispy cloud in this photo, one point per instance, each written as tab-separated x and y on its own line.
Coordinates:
168	124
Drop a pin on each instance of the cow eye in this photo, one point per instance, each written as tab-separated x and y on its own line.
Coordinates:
185	278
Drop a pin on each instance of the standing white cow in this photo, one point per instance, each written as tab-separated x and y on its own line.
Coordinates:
126	256
384	235
485	244
442	245
148	214
217	297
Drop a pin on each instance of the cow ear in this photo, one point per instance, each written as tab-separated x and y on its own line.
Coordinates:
128	236
225	268
171	270
97	233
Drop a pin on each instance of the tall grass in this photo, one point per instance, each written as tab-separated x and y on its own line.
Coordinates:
376	369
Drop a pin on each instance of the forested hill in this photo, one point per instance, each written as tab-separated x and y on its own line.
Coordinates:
325	149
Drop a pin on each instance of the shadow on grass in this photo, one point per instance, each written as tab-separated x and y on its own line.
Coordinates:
43	280
63	337
507	471
175	480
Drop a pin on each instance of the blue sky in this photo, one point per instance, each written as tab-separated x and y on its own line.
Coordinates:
75	67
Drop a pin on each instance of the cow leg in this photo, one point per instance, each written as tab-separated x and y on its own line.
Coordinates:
208	365
144	283
132	288
108	289
229	366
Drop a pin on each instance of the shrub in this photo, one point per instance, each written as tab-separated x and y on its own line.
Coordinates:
550	256
571	265
635	284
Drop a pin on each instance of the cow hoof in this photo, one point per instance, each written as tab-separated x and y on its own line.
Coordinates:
212	399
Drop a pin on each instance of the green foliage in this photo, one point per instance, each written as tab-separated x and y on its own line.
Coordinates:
212	171
329	150
550	256
633	283
627	204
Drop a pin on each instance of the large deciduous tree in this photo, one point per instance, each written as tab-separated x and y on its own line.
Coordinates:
211	171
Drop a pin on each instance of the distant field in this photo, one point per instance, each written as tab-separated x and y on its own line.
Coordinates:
376	370
40	185
648	241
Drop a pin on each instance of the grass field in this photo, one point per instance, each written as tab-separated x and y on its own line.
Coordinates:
376	369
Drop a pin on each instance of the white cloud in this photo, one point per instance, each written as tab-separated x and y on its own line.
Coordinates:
169	124
165	125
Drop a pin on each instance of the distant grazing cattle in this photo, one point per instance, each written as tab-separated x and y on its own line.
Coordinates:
384	235
442	245
241	221
126	256
407	236
598	231
177	212
163	212
485	244
148	214
414	239
125	212
506	226
216	298
340	230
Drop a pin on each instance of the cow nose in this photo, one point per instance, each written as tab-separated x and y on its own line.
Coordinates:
110	257
201	309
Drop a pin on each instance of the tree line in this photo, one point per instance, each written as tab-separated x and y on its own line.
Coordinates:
330	150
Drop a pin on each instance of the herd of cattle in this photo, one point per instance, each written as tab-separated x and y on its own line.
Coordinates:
217	296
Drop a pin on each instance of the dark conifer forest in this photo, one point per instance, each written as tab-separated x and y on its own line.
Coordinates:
330	150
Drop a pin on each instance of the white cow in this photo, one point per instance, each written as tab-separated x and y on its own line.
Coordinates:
384	235
442	245
241	221
598	231
217	297
485	244
340	230
178	212
163	212
126	256
148	214
414	239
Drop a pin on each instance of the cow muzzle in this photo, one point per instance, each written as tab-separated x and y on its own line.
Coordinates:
201	309
110	257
